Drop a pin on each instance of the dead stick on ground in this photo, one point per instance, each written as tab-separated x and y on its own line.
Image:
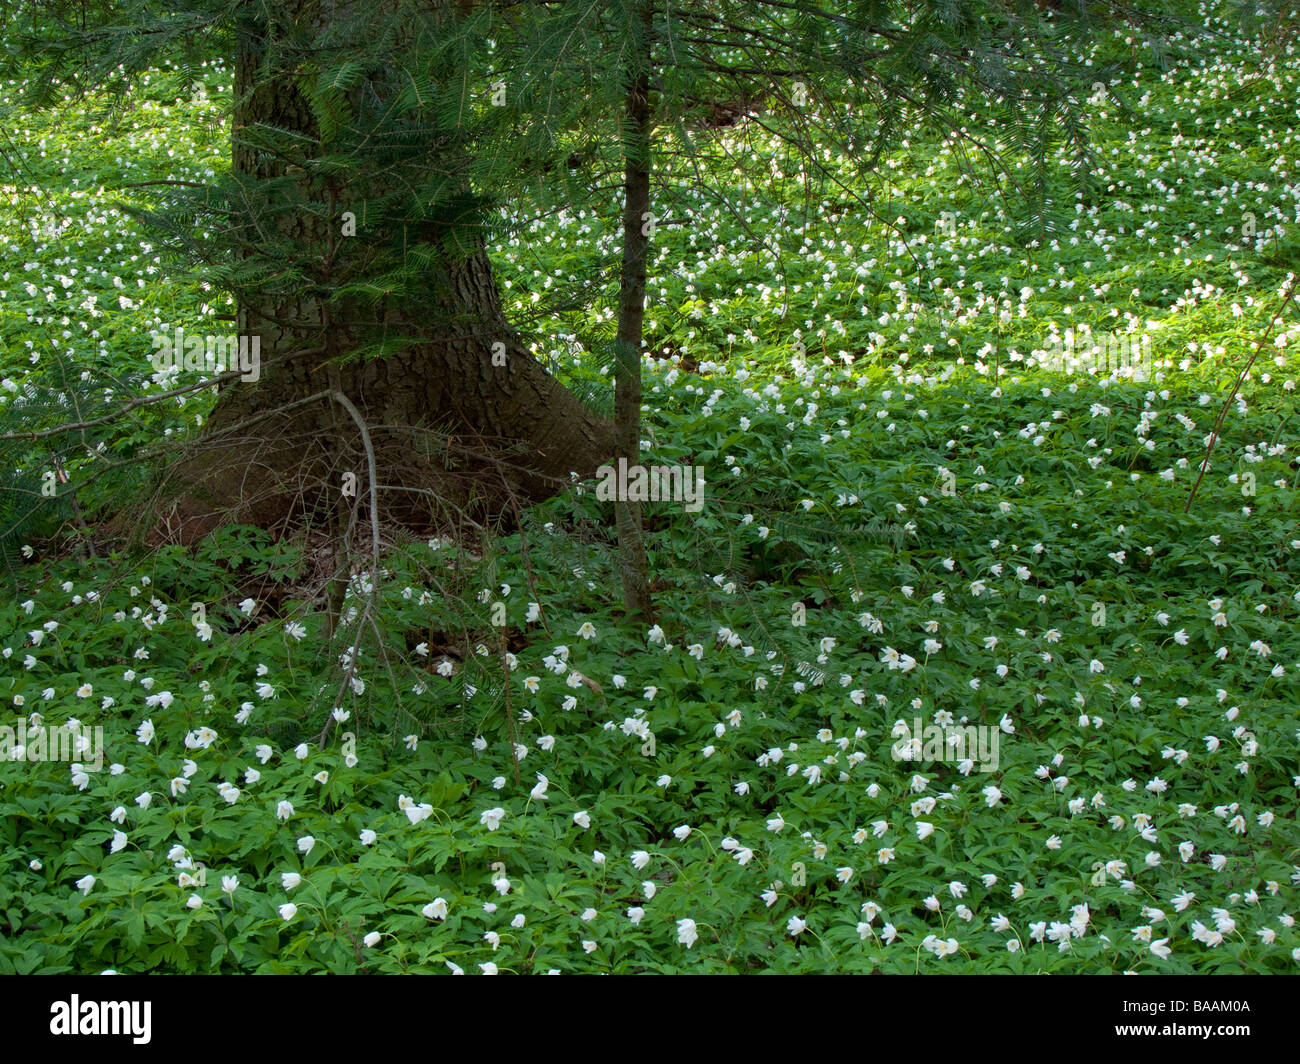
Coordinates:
510	717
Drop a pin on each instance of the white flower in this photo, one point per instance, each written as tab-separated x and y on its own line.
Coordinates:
687	934
416	813
85	883
288	911
436	909
491	818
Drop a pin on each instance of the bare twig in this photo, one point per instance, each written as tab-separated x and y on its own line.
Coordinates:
1241	378
143	400
346	403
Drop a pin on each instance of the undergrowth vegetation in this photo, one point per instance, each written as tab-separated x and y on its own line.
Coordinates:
910	529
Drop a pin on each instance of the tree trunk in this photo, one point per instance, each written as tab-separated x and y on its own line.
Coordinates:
266	456
453	429
638	221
